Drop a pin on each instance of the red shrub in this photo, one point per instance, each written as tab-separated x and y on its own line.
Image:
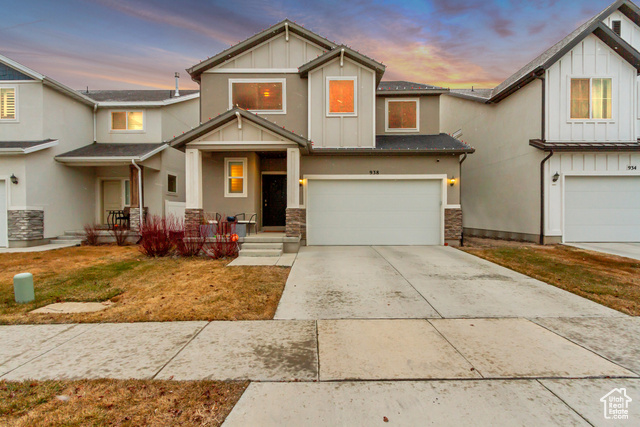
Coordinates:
156	236
91	234
187	243
120	234
226	242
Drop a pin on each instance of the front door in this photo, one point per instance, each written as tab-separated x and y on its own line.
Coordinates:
274	200
111	198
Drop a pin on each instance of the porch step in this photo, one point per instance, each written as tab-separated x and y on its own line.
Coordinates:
70	237
263	239
260	252
58	241
261	245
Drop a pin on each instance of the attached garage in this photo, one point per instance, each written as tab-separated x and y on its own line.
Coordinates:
353	211
602	209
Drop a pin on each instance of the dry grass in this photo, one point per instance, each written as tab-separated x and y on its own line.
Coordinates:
141	289
606	279
117	402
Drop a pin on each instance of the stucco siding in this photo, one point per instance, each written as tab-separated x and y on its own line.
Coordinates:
179	118
342	131
16	193
500	181
429	121
29	123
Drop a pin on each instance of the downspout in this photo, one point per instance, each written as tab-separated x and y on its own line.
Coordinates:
95	132
542	196
464	157
133	162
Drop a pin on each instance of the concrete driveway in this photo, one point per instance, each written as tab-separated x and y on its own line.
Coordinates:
418	282
628	250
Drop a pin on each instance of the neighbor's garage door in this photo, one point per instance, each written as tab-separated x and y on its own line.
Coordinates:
602	209
374	212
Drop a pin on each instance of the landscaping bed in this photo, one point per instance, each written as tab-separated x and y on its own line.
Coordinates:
139	288
117	402
606	279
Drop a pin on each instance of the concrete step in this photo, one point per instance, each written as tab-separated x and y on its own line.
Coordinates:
262	245
76	242
68	237
260	252
74	233
263	239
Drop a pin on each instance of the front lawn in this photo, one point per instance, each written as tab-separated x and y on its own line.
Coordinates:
139	288
606	279
117	402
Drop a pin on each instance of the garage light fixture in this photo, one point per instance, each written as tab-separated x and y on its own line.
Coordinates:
452	181
556	177
14	178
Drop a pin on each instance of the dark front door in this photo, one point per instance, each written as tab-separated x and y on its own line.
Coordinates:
274	200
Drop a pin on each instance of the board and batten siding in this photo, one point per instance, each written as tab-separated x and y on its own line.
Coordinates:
580	164
342	131
277	53
591	58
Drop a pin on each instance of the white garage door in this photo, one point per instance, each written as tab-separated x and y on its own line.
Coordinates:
3	213
602	209
374	212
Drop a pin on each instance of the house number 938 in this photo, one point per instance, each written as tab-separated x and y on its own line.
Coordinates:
373	172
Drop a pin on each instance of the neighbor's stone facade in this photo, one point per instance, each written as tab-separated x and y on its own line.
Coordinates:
25	225
296	224
453	224
193	218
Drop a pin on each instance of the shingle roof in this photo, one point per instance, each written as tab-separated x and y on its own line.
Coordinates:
23	144
401	85
97	150
441	142
134	95
475	94
584	146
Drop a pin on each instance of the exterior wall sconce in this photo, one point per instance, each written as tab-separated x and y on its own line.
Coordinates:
452	181
556	177
301	181
14	179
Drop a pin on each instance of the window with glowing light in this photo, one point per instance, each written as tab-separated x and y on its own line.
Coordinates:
258	95
127	121
7	103
341	96
402	115
235	177
591	99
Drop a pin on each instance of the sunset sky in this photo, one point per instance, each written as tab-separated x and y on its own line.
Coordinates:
115	44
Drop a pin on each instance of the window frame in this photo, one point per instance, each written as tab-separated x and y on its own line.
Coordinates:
283	81
591	119
15	97
244	177
126	186
169	192
328	96
126	112
387	129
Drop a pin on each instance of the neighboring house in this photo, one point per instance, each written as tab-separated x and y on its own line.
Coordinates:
66	157
558	156
303	134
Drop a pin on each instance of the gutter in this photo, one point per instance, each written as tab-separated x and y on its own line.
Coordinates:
140	206
464	157
95	121
542	196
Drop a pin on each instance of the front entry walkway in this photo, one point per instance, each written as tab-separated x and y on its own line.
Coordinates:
418	282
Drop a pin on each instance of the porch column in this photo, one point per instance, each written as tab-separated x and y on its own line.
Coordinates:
194	212
134	202
296	216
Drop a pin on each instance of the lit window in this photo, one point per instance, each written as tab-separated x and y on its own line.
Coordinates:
341	96
591	98
7	103
402	115
258	95
127	120
236	179
172	183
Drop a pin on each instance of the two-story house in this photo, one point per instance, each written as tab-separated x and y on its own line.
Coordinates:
303	134
558	156
70	158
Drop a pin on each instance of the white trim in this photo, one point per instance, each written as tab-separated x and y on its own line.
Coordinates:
7	185
412	177
591	120
29	149
253	70
126	112
176	175
23	208
355	96
401	130
16	105
170	101
245	179
453	207
284	94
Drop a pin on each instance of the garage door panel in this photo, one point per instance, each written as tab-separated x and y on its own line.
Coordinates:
602	209
374	212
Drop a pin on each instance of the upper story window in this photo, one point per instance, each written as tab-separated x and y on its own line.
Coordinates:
235	177
127	121
341	96
591	98
7	103
258	96
402	115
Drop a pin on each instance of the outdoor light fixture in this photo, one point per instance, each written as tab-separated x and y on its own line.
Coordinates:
14	179
452	181
301	181
556	177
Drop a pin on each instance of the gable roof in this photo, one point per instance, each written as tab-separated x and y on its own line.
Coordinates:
593	26
230	115
402	87
255	40
349	53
